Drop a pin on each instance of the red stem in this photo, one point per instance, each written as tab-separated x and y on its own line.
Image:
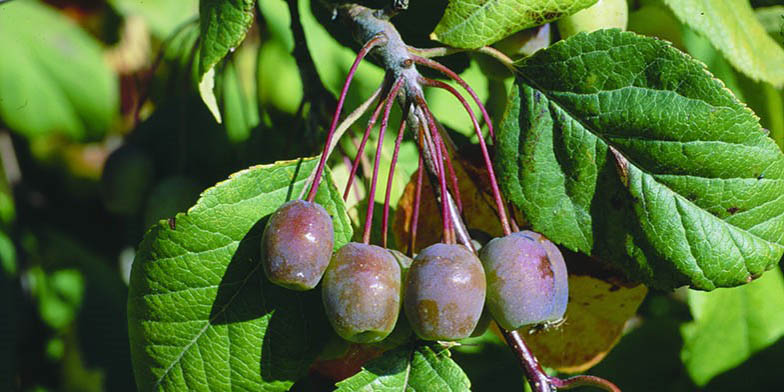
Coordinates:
452	75
417	200
398	141
439	158
361	148
372	43
390	100
584	381
452	177
499	202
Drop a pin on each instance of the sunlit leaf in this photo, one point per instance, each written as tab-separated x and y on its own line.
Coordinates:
409	370
620	146
476	23
224	24
200	310
732	324
732	27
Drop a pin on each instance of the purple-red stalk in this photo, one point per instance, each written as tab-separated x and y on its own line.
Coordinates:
452	75
417	199
390	100
452	177
512	220
372	43
584	381
398	141
362	144
499	202
439	158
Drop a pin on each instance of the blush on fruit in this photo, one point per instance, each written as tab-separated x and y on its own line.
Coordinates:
297	245
361	292
527	282
445	292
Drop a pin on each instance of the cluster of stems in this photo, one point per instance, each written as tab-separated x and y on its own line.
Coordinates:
404	84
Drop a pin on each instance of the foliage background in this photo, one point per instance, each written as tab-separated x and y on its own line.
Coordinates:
68	94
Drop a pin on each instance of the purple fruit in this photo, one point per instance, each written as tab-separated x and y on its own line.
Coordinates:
527	281
361	292
297	244
444	292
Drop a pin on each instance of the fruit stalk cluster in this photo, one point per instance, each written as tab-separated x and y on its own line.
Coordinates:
520	279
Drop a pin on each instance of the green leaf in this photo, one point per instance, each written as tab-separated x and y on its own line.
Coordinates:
409	369
476	23
732	27
239	105
224	24
162	16
620	146
44	75
201	314
772	20
732	324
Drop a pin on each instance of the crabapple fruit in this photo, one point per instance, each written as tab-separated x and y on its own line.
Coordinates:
444	292
361	292
527	281
297	245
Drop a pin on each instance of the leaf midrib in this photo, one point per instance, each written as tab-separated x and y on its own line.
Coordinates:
204	329
639	167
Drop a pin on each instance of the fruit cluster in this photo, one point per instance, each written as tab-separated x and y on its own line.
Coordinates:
520	277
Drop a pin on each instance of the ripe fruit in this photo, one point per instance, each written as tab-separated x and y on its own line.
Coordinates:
127	176
361	292
605	14
527	281
445	292
297	244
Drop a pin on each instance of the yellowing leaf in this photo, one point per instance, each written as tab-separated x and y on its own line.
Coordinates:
595	317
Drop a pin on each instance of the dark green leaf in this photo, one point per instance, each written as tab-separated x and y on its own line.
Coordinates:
202	314
620	146
476	23
224	24
732	324
409	369
53	76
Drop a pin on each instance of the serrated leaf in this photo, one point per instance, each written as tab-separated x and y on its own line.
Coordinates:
42	74
201	314
733	28
620	146
476	23
732	324
224	24
408	369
